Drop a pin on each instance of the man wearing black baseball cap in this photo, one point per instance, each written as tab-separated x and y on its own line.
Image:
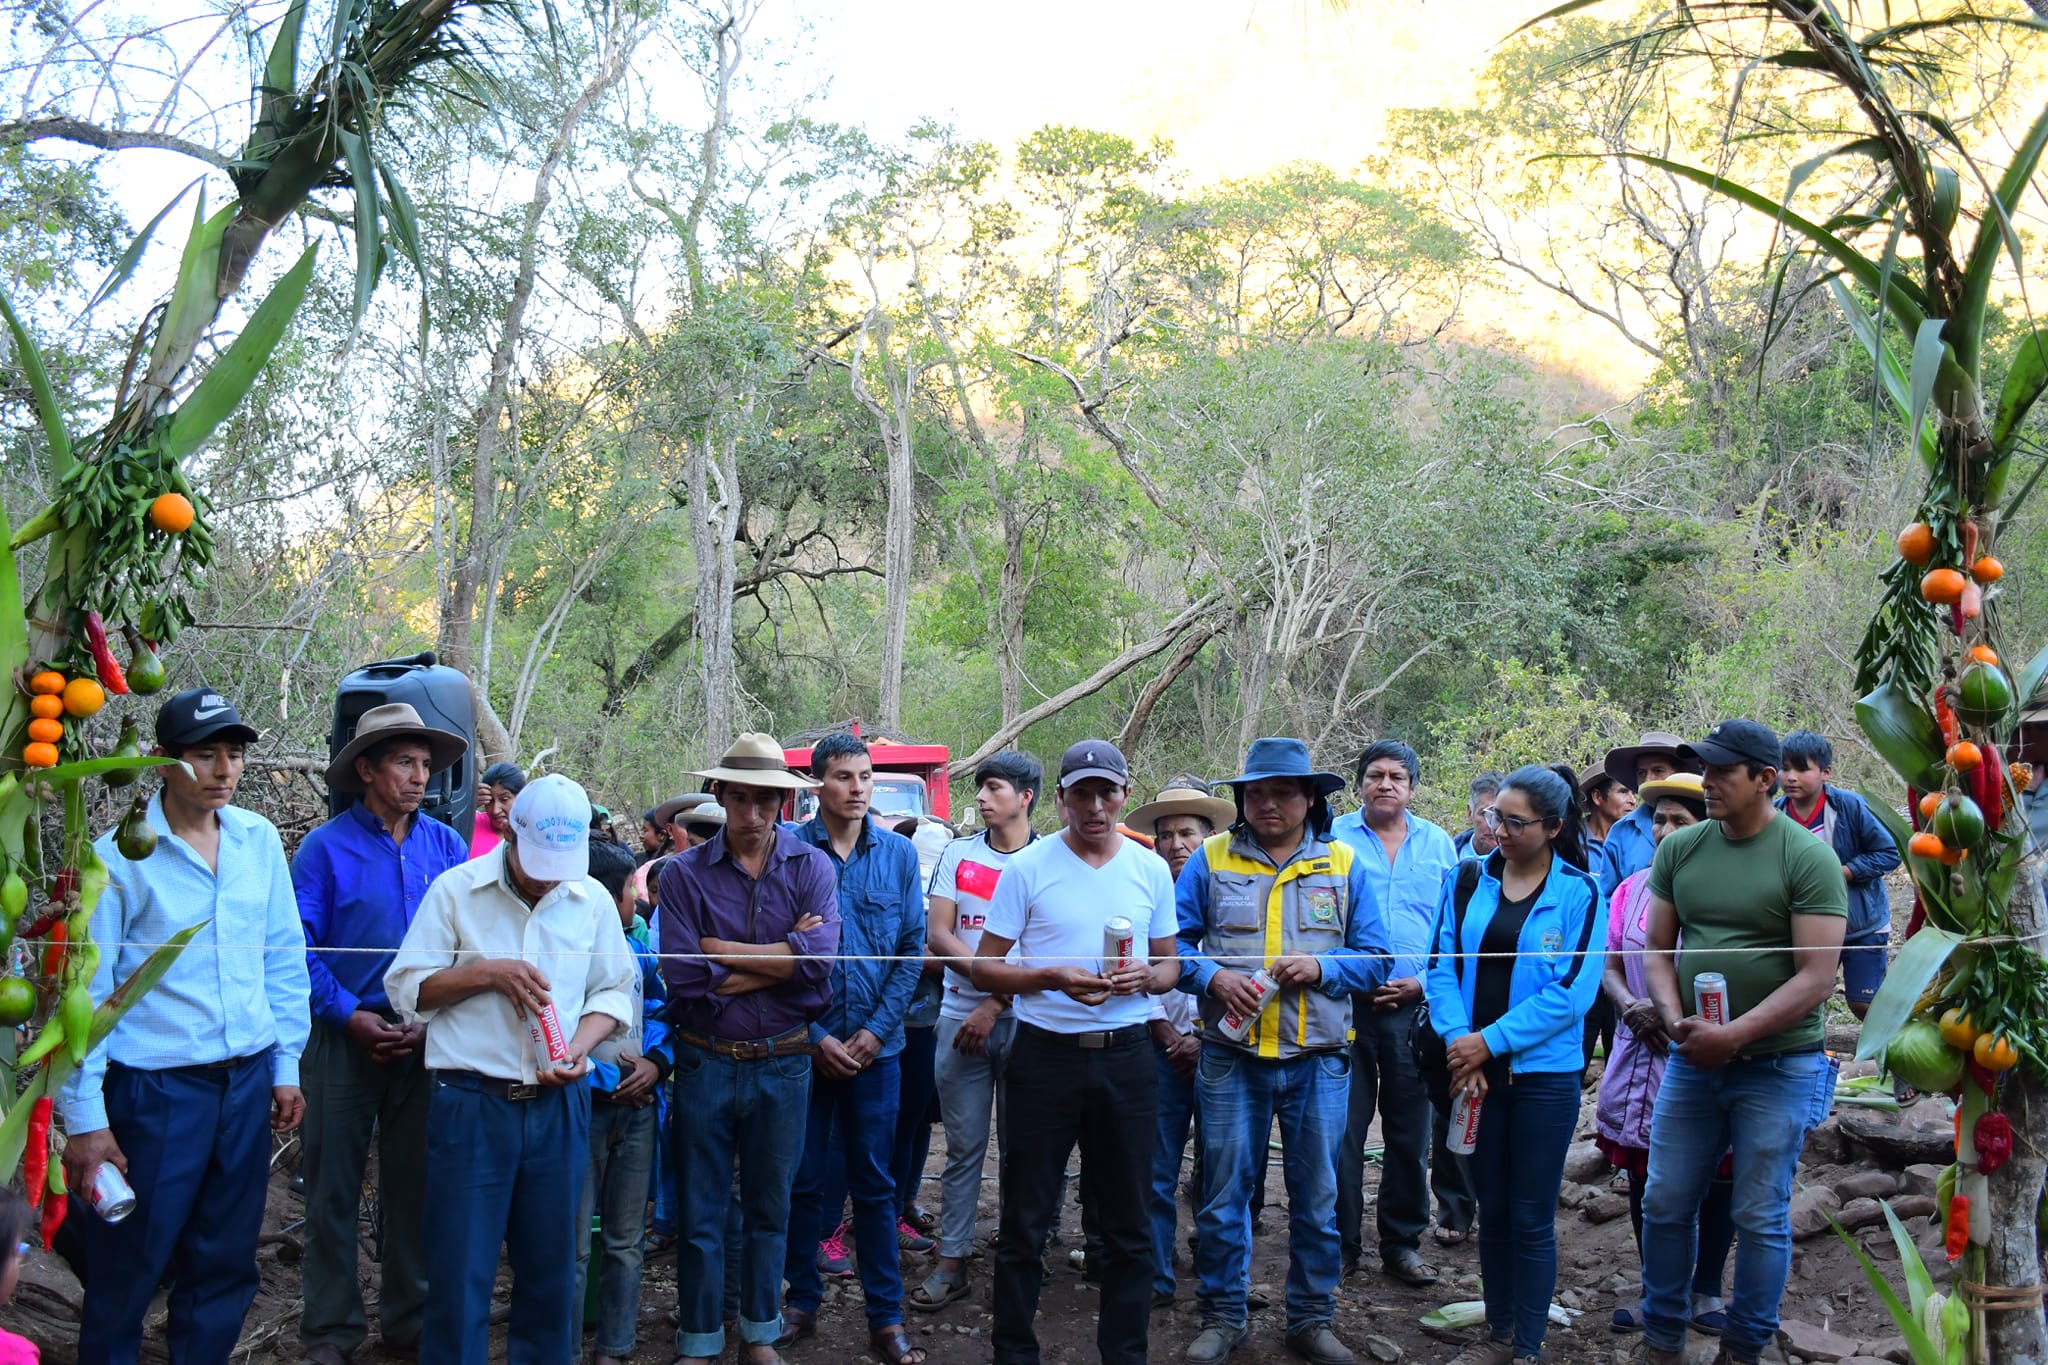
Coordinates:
1081	1068
1762	903
196	1076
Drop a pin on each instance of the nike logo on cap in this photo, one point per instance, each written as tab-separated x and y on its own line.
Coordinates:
209	707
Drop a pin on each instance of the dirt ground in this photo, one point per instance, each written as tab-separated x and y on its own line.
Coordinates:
1377	1316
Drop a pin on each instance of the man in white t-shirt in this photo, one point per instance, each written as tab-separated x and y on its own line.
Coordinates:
975	1027
1081	1069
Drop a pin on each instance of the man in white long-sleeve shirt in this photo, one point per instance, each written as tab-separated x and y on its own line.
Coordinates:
496	942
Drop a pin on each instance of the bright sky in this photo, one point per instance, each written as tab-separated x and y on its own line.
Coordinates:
1236	85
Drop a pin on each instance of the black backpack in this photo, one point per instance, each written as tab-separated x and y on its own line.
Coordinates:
1424	1043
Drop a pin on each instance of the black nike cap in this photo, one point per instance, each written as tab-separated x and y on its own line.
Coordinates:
198	714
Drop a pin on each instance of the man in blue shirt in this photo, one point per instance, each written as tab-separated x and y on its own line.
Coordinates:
190	1085
359	880
856	1082
1404	857
1843	820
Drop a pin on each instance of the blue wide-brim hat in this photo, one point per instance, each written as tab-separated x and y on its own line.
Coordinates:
1283	758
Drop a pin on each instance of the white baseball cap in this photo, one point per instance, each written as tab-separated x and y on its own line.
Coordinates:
551	826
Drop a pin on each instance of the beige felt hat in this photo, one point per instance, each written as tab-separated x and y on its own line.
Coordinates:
755	760
393	720
1182	798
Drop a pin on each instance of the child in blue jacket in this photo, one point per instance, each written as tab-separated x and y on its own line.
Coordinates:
1515	964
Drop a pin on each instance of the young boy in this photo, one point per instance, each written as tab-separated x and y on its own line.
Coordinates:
625	1073
1863	844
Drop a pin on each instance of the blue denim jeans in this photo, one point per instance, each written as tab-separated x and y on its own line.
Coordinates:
1763	1109
1238	1095
728	1111
507	1173
861	1110
1176	1119
1525	1128
616	1189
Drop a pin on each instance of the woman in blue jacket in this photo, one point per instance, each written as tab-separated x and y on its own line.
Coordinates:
1511	976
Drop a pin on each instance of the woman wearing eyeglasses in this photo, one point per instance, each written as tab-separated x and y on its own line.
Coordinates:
1518	944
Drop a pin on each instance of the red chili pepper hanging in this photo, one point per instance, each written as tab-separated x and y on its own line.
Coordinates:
1958	1226
35	1157
1994	1142
54	1209
1993	799
53	948
103	661
1946	718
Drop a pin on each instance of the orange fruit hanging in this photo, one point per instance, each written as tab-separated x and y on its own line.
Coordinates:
47	683
1916	543
1943	586
83	696
1925	845
46	731
1984	654
171	513
1928	804
1987	570
1963	756
45	707
40	755
1994	1053
1951	856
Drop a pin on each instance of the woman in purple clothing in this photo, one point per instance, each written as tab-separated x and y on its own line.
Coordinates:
1628	1087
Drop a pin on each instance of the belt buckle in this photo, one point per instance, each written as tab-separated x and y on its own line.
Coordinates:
1093	1041
522	1092
754	1051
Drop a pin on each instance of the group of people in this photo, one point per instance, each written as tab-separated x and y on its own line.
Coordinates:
749	1026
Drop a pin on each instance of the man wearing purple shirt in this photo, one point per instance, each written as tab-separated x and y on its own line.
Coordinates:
754	912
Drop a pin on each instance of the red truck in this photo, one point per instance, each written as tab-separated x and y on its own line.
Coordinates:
910	779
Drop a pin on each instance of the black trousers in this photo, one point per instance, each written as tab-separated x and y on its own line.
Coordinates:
1107	1101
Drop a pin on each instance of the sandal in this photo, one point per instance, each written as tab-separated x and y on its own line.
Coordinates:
796	1326
1450	1237
893	1346
940	1288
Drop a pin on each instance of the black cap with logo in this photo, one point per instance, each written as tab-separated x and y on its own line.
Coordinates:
1094	758
1736	741
198	714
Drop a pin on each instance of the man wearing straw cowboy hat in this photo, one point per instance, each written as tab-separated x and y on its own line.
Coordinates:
359	880
1275	895
751	920
1178	819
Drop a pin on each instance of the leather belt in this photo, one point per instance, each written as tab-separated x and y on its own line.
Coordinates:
795	1043
516	1091
1092	1042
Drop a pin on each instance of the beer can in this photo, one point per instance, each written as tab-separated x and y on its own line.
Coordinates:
1710	997
1119	944
550	1044
1234	1025
109	1193
1464	1134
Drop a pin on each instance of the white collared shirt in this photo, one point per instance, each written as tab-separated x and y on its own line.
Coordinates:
572	936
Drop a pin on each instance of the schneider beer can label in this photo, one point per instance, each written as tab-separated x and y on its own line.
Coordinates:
550	1044
1119	944
1235	1026
1464	1134
109	1193
1710	997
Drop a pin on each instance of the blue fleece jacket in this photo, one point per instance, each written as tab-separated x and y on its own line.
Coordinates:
1564	943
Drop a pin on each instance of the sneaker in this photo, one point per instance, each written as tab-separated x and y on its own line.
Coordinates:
833	1261
910	1239
1485	1351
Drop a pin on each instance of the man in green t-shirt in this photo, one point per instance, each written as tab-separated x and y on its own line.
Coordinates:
1756	898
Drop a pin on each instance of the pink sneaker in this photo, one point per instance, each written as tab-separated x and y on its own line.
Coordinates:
833	1262
908	1238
